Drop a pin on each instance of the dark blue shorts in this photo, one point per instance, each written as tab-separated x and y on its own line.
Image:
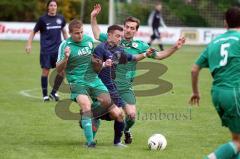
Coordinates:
116	98
48	60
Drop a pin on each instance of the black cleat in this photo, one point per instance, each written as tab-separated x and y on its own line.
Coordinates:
91	145
54	96
46	99
128	137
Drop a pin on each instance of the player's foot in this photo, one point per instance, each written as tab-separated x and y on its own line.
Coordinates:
54	96
128	137
120	145
46	99
91	144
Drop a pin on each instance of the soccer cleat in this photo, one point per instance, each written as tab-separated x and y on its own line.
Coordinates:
120	145
91	144
128	137
54	96
46	99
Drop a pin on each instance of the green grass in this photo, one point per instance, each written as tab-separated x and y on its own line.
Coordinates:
31	129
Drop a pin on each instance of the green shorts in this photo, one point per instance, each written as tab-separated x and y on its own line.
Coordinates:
128	96
93	89
227	104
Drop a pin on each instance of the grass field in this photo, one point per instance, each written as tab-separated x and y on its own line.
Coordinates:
30	129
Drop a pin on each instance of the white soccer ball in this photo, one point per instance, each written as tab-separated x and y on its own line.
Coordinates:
157	142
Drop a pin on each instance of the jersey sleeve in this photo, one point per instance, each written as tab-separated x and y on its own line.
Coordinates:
99	52
103	37
202	61
39	25
141	46
61	53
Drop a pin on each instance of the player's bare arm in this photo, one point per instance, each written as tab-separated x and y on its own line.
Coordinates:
168	52
148	53
28	47
95	28
64	32
61	66
194	100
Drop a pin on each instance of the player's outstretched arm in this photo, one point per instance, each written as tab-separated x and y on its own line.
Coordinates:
166	53
194	100
140	57
28	47
61	66
95	28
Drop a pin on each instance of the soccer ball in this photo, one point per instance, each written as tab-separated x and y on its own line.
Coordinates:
157	142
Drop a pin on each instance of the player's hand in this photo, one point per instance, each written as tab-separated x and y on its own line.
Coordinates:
195	98
28	48
108	63
180	43
96	10
150	51
67	52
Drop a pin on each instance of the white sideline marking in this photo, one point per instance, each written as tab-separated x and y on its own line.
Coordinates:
26	93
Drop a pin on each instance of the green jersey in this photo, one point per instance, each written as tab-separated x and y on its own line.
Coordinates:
79	67
125	73
222	57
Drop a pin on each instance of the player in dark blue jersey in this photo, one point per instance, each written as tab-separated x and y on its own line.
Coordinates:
111	52
51	26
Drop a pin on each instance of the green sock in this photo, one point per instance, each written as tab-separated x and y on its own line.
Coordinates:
225	151
87	127
96	125
128	123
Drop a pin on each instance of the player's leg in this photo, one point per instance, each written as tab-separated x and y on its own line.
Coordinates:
158	36
86	118
45	65
227	107
58	79
130	110
152	37
114	111
79	94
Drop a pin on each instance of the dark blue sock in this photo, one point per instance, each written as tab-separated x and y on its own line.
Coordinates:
118	131
44	84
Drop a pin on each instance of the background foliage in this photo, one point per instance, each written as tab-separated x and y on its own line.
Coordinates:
195	13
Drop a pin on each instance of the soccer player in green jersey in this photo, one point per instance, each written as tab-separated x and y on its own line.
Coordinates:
125	73
222	57
75	58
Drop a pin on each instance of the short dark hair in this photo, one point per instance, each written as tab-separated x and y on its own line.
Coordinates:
132	19
48	3
75	23
232	17
113	28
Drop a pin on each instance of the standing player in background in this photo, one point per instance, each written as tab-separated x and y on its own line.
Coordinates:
222	57
125	73
50	25
75	58
155	20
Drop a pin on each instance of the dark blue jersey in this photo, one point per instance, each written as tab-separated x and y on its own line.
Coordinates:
104	51
50	28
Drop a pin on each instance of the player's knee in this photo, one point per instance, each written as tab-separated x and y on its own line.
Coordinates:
120	116
45	72
132	116
117	114
105	101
